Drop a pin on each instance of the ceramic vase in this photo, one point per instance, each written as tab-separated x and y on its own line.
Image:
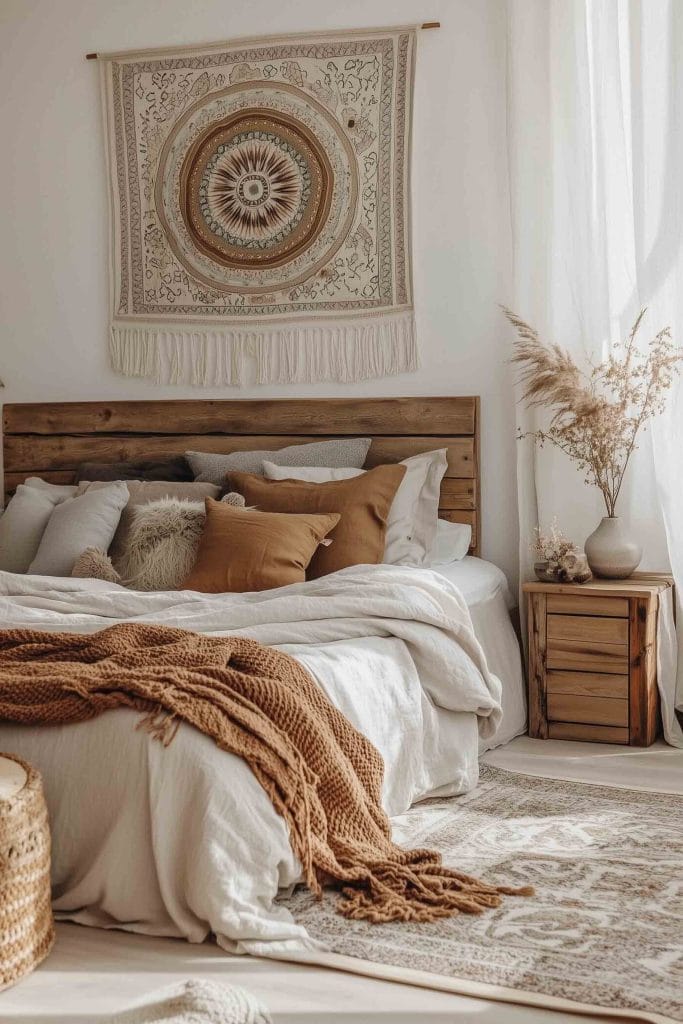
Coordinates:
612	551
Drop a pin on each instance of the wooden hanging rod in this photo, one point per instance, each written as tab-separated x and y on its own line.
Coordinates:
425	24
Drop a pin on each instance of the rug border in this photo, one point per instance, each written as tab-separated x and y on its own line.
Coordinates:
463	987
578	782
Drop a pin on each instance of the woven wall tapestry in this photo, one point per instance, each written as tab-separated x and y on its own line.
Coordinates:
260	209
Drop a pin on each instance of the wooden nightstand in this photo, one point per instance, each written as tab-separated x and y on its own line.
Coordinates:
593	659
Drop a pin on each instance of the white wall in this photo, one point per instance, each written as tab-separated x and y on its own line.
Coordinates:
53	238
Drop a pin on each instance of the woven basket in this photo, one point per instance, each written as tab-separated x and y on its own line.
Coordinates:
26	925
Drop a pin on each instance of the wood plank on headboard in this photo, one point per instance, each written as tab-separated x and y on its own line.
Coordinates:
52	439
277	416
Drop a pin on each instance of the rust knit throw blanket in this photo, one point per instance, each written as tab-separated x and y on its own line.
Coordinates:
320	773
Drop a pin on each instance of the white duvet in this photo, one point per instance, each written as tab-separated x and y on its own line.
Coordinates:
182	840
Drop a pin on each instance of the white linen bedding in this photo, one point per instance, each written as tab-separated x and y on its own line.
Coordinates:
487	595
182	840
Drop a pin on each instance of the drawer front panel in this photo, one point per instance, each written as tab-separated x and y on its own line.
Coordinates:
568	707
571	604
582	656
585	627
588	684
587	733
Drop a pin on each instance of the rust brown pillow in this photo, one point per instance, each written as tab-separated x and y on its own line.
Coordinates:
242	550
363	502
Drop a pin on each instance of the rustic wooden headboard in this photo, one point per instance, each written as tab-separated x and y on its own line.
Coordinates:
52	439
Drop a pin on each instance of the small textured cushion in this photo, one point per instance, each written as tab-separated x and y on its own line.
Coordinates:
140	493
85	521
24	521
241	550
175	469
414	512
95	565
363	503
341	452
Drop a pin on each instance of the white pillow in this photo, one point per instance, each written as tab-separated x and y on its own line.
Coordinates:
23	524
414	512
452	542
85	521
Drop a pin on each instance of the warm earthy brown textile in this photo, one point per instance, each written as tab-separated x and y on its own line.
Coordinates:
363	501
322	776
241	550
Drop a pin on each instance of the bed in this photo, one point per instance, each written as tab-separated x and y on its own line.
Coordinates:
181	840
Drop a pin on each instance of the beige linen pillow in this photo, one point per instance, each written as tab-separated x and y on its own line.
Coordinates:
414	512
23	522
339	452
85	521
363	502
58	491
242	550
140	493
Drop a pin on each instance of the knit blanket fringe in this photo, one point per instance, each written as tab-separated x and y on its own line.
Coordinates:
203	357
322	776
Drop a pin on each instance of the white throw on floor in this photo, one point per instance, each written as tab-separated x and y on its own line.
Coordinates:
196	1002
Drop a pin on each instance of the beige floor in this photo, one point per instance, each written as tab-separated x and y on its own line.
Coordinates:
92	973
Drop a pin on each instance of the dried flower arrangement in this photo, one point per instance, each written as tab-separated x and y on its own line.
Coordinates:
559	560
597	414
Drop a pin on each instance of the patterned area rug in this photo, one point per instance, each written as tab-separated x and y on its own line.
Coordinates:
605	927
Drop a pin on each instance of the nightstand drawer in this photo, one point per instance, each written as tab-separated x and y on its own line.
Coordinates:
570	604
587	733
588	684
570	707
585	656
587	627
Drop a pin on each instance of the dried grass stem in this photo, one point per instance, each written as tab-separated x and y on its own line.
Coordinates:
596	415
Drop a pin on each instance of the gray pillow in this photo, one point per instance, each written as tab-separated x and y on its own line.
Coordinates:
25	519
85	521
342	452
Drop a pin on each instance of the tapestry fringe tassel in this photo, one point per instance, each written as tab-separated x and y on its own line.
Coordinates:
341	352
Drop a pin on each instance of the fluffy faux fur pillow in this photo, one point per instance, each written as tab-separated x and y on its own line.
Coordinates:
162	543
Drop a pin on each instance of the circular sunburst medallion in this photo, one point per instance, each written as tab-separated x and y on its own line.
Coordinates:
257	188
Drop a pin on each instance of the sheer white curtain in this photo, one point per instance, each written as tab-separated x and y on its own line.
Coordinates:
595	134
